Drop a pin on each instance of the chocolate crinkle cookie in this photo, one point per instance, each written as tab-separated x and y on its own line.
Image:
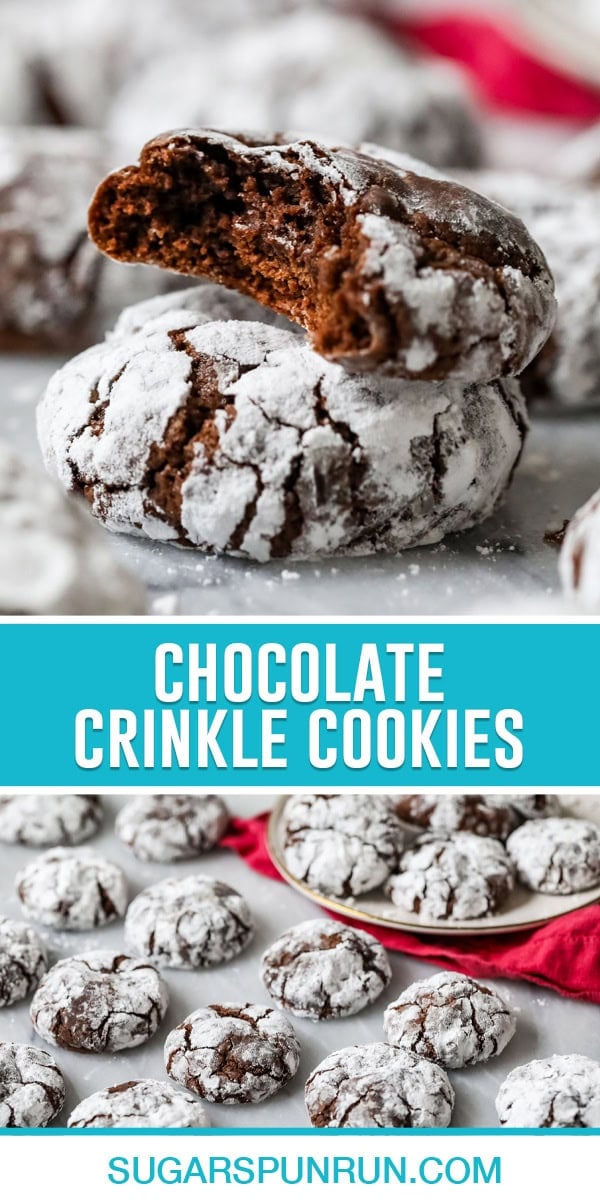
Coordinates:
579	562
139	1103
233	1053
32	1088
99	1002
562	1092
462	877
378	1086
23	960
321	969
40	820
384	266
450	1019
171	828
186	308
311	70
53	558
72	890
48	267
534	805
192	922
341	845
484	815
236	438
559	856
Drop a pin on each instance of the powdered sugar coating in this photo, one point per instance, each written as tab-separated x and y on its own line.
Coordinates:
461	877
23	960
70	889
322	969
341	845
171	828
233	1053
32	1088
41	820
292	456
187	923
535	805
377	1086
579	562
187	308
99	1002
139	1104
560	855
487	816
451	1019
562	1092
53	560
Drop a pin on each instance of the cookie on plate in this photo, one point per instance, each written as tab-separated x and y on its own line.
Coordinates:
341	845
236	438
171	828
187	923
98	1002
322	969
560	855
40	820
139	1103
487	816
377	1086
233	1053
579	562
32	1087
53	559
23	960
451	1019
70	889
461	877
386	268
562	1092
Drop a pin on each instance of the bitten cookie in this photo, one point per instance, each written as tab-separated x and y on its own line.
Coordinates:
562	1092
188	923
322	969
451	1019
560	855
53	559
461	877
72	890
341	845
233	1053
49	269
377	1086
140	1103
23	960
32	1088
484	815
579	562
383	266
171	828
99	1002
39	820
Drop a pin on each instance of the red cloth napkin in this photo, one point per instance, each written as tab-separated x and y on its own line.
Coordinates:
563	955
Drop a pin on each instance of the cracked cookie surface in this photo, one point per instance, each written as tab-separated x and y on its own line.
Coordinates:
139	1103
32	820
383	266
233	1053
32	1088
378	1086
236	438
171	828
461	877
451	1019
560	855
341	845
189	307
562	1092
72	890
483	815
99	1002
188	923
322	969
23	960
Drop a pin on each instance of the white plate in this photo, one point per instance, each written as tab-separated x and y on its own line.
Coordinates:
525	909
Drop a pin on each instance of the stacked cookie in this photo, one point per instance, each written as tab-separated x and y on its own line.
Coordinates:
386	416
